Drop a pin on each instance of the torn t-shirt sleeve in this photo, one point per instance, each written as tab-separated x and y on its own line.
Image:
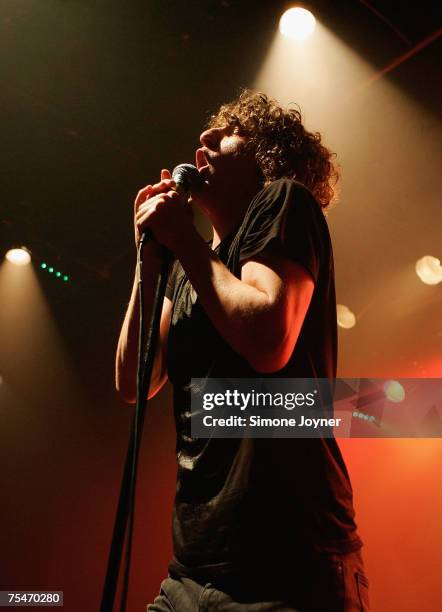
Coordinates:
285	210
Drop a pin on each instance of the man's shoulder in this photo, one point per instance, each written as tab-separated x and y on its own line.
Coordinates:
282	195
292	186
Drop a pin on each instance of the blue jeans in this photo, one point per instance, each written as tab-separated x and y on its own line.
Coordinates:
332	583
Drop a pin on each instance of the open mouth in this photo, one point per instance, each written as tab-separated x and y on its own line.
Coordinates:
201	159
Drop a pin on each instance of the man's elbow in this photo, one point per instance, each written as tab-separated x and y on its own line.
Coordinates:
126	391
271	354
268	363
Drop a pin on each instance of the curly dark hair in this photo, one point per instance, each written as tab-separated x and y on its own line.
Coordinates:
283	148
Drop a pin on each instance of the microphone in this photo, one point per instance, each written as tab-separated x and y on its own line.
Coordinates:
187	179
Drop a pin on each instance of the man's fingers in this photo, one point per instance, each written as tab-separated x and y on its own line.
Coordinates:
164	186
155	203
142	195
150	191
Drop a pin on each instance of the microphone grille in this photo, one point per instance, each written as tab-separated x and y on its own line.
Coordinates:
187	177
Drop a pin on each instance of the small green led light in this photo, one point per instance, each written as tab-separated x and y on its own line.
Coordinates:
58	274
65	278
44	266
50	270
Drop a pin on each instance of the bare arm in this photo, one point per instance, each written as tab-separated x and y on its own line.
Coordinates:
261	315
127	349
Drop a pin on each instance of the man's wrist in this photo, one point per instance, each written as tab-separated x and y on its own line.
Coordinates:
152	248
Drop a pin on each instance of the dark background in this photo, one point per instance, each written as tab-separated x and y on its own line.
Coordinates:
96	97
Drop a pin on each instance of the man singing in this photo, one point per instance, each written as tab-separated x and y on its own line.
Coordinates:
258	524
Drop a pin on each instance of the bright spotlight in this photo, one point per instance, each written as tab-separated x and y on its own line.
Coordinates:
19	257
346	318
429	270
297	24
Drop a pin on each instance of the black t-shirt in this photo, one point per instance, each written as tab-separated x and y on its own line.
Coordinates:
249	505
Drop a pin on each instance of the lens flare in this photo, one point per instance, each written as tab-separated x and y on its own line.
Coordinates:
394	391
429	270
346	318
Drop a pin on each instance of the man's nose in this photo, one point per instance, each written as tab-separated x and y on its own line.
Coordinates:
211	137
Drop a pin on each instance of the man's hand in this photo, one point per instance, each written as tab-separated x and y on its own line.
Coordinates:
164	211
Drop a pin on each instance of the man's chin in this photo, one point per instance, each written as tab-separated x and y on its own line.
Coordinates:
202	196
201	191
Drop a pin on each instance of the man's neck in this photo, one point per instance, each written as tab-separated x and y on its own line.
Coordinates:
221	228
227	214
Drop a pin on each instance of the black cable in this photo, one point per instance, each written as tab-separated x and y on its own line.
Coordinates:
144	374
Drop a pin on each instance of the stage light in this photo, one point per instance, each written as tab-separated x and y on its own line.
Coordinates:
394	391
429	270
346	317
19	257
297	24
